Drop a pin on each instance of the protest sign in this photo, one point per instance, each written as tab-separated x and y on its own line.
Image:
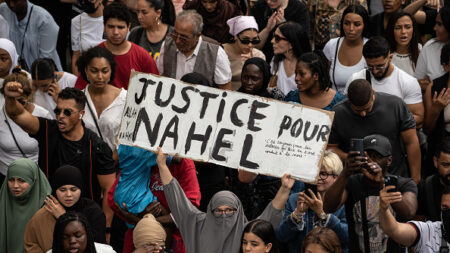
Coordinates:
228	128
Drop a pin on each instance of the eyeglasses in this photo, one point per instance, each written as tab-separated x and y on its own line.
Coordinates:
66	112
223	212
277	38
247	41
182	37
324	175
379	67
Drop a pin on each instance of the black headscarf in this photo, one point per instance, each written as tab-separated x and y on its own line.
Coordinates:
265	69
68	175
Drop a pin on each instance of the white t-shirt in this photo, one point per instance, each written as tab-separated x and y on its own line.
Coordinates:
222	72
285	83
99	247
91	32
399	84
342	73
46	101
109	120
9	152
404	62
430	235
429	61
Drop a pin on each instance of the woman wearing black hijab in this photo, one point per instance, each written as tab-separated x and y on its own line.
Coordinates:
67	186
255	77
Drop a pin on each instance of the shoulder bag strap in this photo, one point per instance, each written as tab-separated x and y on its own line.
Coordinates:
80	33
368	79
364	224
92	114
12	133
26	28
444	247
335	60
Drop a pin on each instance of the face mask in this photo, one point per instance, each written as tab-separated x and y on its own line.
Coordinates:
87	6
445	216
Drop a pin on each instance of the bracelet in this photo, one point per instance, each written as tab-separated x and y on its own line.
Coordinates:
108	230
297	218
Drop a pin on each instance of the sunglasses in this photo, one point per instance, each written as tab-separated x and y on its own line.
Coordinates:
182	37
66	112
246	41
277	38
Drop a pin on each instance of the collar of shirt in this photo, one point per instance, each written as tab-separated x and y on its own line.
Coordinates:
21	24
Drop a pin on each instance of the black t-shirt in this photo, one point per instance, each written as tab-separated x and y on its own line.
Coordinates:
295	11
357	188
90	154
389	117
377	24
139	37
430	206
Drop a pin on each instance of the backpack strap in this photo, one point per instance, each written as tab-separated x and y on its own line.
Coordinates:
365	226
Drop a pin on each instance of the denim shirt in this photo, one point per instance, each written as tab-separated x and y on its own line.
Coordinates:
41	36
293	234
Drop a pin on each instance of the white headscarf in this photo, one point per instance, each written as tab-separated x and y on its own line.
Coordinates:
11	49
241	23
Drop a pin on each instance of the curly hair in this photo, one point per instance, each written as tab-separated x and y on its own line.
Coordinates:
96	52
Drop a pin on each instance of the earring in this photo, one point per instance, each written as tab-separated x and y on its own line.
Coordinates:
157	21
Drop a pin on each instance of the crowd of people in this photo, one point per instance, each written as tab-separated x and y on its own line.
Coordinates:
381	66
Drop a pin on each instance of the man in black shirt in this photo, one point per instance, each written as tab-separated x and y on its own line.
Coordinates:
65	141
367	112
430	189
358	188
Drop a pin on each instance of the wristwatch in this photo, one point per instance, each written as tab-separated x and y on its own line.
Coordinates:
323	216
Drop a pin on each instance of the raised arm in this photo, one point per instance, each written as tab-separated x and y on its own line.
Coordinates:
434	104
16	111
336	195
402	233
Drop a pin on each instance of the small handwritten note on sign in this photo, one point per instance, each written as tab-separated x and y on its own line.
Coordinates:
225	127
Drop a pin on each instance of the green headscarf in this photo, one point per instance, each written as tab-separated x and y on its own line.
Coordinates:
16	211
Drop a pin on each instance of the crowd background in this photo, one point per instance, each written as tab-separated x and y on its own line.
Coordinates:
382	66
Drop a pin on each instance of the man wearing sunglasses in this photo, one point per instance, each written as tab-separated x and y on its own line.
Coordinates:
386	77
185	51
65	141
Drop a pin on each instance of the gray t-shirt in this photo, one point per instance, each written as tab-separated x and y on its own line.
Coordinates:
138	36
429	234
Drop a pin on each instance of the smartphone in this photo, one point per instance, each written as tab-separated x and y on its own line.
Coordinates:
357	145
313	188
391	180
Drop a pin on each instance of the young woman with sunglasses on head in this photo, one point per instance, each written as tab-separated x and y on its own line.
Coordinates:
304	211
104	102
402	34
16	143
289	41
48	82
157	18
345	53
313	83
245	32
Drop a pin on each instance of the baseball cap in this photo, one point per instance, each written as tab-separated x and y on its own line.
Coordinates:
378	143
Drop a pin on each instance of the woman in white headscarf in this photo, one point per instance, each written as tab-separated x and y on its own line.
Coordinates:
8	58
242	47
219	230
